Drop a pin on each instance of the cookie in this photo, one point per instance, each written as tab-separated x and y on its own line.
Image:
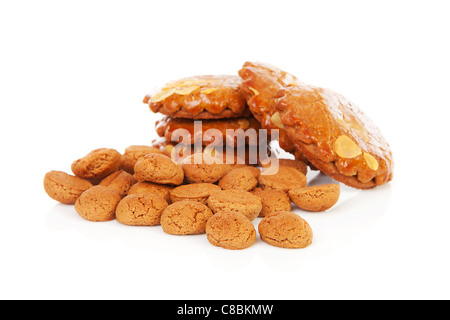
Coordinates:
273	201
158	168
133	153
143	209
203	168
64	187
239	179
98	164
235	201
315	198
201	97
198	192
297	164
120	181
325	127
230	230
161	190
285	179
185	217
98	204
285	230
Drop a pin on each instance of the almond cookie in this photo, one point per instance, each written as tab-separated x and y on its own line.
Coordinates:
325	127
119	181
98	164
230	230
273	201
198	192
235	201
315	198
133	153
158	168
143	209
64	187
201	97
285	230
185	217
285	179
98	204
239	179
161	190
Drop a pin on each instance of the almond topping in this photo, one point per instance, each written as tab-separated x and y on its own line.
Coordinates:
162	95
208	91
256	92
372	163
187	90
346	148
276	120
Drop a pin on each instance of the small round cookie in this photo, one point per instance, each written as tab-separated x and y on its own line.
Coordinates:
200	97
285	230
239	179
98	204
98	164
64	187
203	168
230	230
235	201
161	190
143	209
273	201
198	192
133	153
158	168
297	164
316	198
285	179
185	217
120	181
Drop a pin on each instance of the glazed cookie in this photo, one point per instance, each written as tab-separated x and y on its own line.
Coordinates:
64	187
133	153
158	168
273	201
329	130
285	179
185	217
119	181
198	192
141	210
98	164
161	190
315	198
285	230
230	230
98	204
235	201
201	97
239	179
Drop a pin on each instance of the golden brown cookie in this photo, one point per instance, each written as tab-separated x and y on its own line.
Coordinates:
120	181
158	168
239	179
133	153
98	204
297	164
185	217
235	201
315	198
273	201
143	209
161	190
285	230
98	164
198	192
230	230
285	179
64	187
201	97
203	168
325	127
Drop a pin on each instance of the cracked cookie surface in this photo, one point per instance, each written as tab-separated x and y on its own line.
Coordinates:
198	192
97	164
64	187
237	201
158	168
143	209
98	204
315	198
185	217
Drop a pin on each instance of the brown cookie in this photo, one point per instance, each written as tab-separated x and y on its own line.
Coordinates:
273	201
285	230
325	127
120	181
158	168
98	164
203	168
230	230
185	217
239	179
143	209
201	97
315	198
64	187
297	164
161	190
285	179
198	192
133	153
235	201
98	204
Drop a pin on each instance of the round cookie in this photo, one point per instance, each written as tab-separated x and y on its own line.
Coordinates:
185	217
143	209
98	204
297	164
158	168
161	190
120	181
230	230
198	192
273	201
285	230
235	201
98	164
325	127
64	187
203	168
315	198
133	153
200	97
239	179
285	179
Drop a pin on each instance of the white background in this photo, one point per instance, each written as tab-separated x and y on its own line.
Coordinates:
72	78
